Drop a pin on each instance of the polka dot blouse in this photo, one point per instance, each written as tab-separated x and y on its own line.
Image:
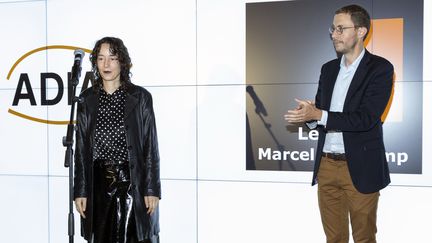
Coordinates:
110	137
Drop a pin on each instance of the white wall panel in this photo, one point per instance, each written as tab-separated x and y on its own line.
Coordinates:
175	113
13	1
404	214
221	41
23	29
160	35
221	132
59	210
285	212
24	209
178	211
23	143
256	212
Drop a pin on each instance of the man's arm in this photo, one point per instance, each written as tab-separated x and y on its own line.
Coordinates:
373	103
372	106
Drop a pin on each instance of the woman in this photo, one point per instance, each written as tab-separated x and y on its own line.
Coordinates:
117	183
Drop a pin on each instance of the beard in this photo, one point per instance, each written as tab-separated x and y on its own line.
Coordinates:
342	47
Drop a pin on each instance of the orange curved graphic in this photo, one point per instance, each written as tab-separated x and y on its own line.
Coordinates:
16	113
43	49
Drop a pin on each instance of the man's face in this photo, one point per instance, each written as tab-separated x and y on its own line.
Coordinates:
108	64
346	41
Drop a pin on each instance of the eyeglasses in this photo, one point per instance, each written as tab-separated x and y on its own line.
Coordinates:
339	30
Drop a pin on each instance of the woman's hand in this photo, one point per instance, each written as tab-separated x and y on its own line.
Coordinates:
151	202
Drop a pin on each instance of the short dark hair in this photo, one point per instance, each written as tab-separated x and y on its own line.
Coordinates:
117	48
359	16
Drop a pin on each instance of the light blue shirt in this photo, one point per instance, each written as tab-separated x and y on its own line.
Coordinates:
334	140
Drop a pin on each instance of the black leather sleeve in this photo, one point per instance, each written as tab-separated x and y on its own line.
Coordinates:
80	182
151	150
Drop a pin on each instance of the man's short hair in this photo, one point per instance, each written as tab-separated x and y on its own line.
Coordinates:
359	16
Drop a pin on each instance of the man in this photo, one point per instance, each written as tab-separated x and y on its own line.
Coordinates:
117	182
351	166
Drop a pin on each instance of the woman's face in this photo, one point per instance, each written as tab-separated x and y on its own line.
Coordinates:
108	64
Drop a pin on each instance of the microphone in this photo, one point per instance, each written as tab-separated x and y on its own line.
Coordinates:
259	106
76	68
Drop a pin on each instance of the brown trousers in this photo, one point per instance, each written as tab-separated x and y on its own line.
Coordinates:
338	198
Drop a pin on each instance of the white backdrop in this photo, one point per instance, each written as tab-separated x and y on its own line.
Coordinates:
190	55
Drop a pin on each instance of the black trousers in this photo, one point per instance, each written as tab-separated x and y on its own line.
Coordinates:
114	220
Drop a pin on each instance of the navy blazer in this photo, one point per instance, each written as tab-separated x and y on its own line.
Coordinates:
360	121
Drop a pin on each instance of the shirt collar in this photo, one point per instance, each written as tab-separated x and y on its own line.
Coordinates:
118	92
355	64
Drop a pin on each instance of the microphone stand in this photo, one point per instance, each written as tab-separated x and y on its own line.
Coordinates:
68	143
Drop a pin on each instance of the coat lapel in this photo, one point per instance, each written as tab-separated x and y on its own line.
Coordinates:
131	101
93	102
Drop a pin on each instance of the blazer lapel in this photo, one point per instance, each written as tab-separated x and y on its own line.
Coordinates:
358	78
331	83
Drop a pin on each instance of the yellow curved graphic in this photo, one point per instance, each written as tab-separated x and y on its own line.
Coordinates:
43	49
16	113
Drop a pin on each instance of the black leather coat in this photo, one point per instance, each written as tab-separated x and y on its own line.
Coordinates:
141	139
